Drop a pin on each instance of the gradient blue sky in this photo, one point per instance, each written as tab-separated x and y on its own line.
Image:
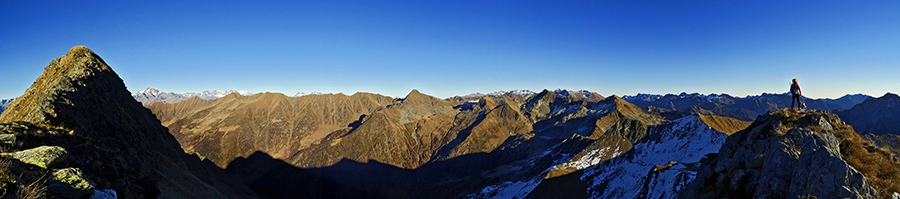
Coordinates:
451	48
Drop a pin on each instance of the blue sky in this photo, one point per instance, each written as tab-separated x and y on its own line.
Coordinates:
458	47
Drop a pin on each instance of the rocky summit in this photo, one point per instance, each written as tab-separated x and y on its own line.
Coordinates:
789	154
79	122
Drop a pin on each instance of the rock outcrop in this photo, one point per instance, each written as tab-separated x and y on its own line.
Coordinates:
789	154
42	156
79	103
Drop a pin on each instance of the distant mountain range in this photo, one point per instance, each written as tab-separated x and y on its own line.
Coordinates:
150	95
743	108
476	96
875	115
5	103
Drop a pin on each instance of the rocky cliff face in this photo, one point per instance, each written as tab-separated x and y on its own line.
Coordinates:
789	154
80	104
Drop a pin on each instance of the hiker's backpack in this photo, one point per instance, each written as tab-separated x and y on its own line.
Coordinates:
803	105
795	89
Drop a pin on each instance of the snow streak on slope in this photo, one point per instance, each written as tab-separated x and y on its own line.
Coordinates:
684	140
595	157
521	188
518	189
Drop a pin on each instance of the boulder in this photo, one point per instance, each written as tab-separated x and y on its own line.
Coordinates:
73	177
70	183
42	156
7	139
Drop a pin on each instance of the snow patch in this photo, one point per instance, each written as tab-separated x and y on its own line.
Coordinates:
685	140
594	157
509	189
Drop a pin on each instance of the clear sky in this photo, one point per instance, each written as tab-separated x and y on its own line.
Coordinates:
447	48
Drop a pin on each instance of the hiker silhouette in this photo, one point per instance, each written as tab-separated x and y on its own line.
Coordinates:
795	92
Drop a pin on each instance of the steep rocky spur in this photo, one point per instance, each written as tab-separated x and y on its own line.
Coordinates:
789	154
81	105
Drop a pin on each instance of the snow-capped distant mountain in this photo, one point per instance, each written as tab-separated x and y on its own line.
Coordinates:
5	103
304	94
517	92
150	95
216	94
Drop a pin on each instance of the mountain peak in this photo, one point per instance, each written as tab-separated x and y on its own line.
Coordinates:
149	90
66	81
416	97
891	96
414	91
414	94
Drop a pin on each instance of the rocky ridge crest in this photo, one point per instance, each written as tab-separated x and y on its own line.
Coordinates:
788	154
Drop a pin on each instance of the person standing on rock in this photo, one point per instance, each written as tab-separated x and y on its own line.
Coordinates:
795	92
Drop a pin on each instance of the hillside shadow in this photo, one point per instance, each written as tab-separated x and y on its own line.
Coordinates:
449	178
444	179
466	106
463	134
273	178
355	124
565	186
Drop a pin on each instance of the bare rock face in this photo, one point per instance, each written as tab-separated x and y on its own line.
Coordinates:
81	104
783	154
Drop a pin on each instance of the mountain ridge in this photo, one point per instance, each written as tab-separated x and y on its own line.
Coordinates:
875	115
744	108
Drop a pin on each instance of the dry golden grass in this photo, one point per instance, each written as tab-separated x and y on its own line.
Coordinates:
725	125
5	176
876	164
33	190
